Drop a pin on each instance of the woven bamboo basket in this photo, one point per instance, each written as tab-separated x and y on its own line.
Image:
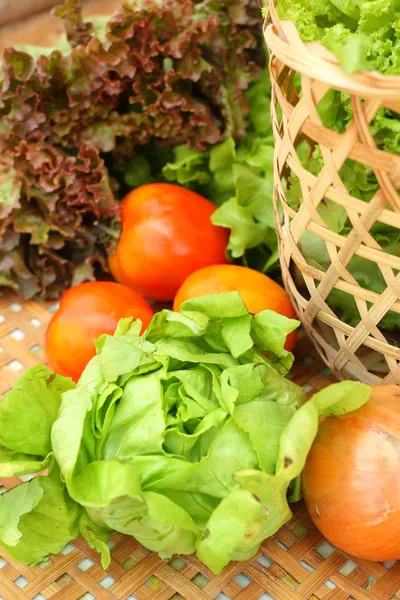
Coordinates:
363	351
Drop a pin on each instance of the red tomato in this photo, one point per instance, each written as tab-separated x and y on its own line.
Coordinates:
257	290
166	235
351	481
86	312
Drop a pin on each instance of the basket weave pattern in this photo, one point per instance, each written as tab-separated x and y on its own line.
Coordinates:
295	564
361	352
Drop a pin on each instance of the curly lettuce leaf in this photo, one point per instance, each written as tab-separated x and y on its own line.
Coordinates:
363	35
165	528
28	412
233	531
269	330
138	424
10	193
185	414
96	538
264	495
106	105
38	519
15	464
193	446
14	505
111	493
237	176
74	421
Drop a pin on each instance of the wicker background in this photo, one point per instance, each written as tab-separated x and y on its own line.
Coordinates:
295	564
362	352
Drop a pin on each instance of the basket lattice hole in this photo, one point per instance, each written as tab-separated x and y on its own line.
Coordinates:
293	193
39	597
264	561
279	116
20	582
278	543
177	597
35	322
15	366
349	567
307	388
68	549
87	596
367	585
326	372
329	584
129	563
2	318
307	566
308	360
3	489
44	564
242	580
85	564
64	580
17	334
154	583
107	582
347	172
222	596
2	563
200	581
177	563
35	349
15	307
54	308
291	581
110	544
299	531
325	550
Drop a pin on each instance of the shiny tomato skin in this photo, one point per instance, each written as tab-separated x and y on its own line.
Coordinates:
258	291
86	312
351	481
167	234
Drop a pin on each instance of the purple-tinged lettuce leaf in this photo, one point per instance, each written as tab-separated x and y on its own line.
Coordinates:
73	117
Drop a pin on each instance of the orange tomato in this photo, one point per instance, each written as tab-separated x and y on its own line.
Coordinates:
351	481
258	291
86	312
166	235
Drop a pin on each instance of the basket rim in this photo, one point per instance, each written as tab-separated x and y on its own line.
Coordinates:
312	59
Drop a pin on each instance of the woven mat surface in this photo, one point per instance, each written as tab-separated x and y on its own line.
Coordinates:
295	564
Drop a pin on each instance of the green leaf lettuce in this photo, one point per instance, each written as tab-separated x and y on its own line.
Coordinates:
188	438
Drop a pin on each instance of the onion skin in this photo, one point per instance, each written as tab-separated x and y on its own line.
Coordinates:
351	481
